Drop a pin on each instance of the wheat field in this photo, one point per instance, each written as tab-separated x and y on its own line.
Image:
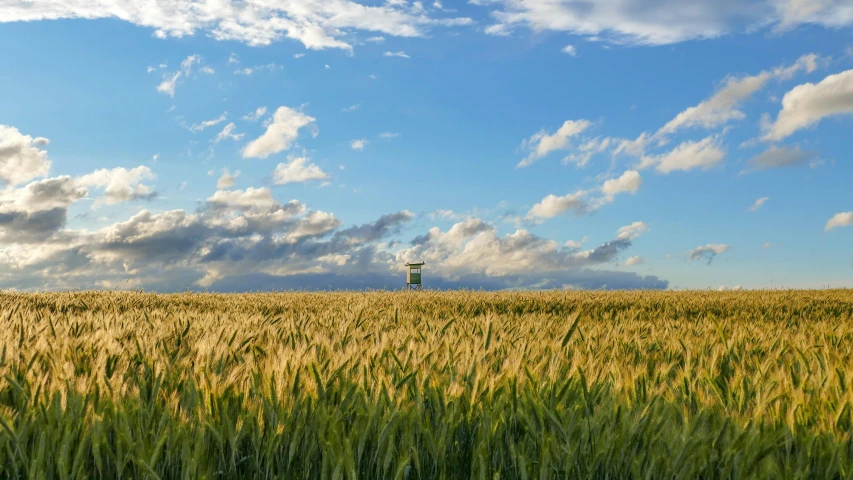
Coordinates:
427	385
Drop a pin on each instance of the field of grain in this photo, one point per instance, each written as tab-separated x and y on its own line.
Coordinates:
427	385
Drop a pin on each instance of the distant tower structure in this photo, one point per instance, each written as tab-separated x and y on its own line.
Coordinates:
413	276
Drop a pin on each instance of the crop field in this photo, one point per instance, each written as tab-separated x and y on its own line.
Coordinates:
427	385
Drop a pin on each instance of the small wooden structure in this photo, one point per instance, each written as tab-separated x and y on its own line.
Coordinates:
413	276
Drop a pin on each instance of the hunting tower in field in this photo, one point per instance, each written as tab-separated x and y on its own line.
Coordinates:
413	276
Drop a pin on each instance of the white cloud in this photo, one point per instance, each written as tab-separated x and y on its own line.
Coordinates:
388	135
632	231
633	148
472	245
724	105
542	143
207	70
351	108
227	179
256	115
708	252
400	54
255	200
120	184
227	133
170	80
377	39
445	215
358	144
317	25
281	132
249	71
21	159
632	261
169	84
809	103
758	203
581	202
41	195
628	182
587	149
777	157
198	127
155	157
689	155
570	50
647	22
297	170
298	55
552	205
842	219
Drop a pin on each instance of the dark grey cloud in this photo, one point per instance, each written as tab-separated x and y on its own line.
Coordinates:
29	227
385	225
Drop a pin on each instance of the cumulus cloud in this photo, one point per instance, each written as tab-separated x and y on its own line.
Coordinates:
246	239
777	157
542	143
21	159
121	184
570	50
552	205
582	202
758	203
473	249
807	104
724	105
358	144
635	260
38	210
644	22
297	170
317	25
227	179
632	231
689	155
281	132
628	182
227	133
842	219
708	252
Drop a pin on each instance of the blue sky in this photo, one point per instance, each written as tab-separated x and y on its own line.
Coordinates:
506	143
